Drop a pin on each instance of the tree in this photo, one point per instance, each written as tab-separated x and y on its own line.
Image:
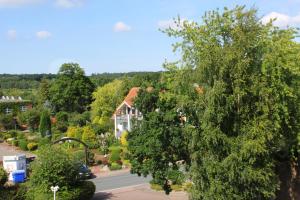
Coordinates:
44	93
62	121
49	169
88	136
45	124
158	142
107	98
32	117
242	121
72	90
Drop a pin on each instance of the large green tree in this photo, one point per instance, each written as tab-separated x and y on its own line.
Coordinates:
71	91
106	100
243	121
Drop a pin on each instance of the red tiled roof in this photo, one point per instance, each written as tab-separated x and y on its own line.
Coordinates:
129	99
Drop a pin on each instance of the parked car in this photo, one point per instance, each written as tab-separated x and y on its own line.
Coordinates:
84	172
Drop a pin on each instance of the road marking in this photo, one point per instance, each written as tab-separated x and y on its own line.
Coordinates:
126	187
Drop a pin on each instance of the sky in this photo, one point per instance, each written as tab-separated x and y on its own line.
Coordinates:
37	36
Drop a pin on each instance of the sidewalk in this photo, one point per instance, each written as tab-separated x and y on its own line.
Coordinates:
99	172
139	192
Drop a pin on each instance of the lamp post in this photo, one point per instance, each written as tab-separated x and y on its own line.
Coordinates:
54	190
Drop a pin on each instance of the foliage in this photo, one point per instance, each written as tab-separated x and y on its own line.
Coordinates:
77	119
115	166
3	177
71	91
44	93
45	124
123	139
7	121
74	132
32	146
157	142
62	121
107	98
23	144
43	142
50	169
33	119
229	109
88	136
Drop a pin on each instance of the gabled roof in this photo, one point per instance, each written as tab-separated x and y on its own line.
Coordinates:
129	99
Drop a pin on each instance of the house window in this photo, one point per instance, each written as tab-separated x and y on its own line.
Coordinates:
23	108
8	110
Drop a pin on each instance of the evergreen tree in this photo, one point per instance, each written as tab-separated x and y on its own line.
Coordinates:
45	124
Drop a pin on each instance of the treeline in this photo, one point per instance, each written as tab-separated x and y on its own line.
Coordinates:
32	81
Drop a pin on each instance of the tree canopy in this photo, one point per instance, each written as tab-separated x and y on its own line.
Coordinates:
71	91
237	84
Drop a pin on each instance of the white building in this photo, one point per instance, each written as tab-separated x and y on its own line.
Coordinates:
125	113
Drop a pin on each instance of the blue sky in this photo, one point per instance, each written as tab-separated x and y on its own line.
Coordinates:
37	36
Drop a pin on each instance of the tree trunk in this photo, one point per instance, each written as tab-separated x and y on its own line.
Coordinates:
289	176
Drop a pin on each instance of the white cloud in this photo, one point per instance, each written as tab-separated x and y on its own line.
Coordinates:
121	27
11	34
16	3
43	34
69	3
282	20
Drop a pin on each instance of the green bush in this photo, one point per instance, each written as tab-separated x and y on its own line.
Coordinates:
88	189
13	133
43	142
15	143
3	176
176	177
115	166
32	146
23	144
114	157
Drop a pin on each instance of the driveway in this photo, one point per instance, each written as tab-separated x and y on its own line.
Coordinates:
7	150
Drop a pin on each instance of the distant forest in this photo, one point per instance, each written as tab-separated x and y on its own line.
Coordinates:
32	81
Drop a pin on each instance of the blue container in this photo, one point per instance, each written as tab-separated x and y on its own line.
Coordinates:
18	176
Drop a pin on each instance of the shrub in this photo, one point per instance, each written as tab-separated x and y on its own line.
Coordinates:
12	133
32	146
87	190
3	176
43	142
176	177
15	143
115	166
123	139
45	124
156	187
176	187
23	144
114	156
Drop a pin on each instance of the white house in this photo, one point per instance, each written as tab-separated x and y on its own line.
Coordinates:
126	112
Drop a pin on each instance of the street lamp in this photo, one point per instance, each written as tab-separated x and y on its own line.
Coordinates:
54	190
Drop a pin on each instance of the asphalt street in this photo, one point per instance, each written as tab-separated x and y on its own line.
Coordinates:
119	181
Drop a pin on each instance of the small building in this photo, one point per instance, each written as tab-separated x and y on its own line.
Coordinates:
125	113
11	104
14	163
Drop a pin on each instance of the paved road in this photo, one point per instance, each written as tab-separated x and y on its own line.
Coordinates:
119	181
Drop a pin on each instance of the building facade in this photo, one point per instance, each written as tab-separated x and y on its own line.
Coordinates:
125	113
13	105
